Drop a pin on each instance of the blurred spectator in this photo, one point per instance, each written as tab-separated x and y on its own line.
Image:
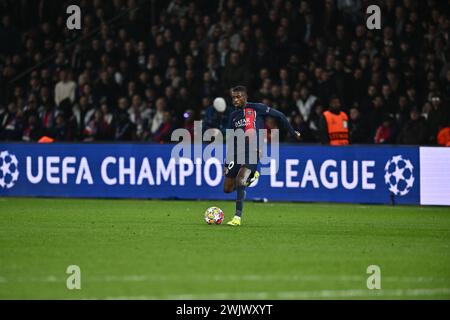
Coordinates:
414	131
158	117
235	73
124	128
83	111
108	116
358	126
97	129
8	34
385	133
12	123
105	89
61	131
377	113
47	118
164	131
300	125
32	131
314	121
437	117
402	112
305	103
31	109
65	88
139	115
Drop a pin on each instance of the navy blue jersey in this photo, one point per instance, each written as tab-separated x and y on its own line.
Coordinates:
250	119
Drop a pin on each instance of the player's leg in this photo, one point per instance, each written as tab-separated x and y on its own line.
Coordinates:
241	182
255	174
230	173
229	185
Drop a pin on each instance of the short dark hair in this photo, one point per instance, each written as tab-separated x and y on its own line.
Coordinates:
333	97
239	89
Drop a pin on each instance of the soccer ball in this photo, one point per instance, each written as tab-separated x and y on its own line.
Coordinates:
214	215
399	175
219	104
9	172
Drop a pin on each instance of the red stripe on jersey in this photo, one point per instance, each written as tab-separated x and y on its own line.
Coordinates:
250	119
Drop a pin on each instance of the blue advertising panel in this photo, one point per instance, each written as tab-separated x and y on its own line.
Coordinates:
358	174
305	173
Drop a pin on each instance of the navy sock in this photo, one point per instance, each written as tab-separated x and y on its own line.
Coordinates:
240	200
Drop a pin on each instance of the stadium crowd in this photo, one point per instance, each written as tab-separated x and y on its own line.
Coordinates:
139	69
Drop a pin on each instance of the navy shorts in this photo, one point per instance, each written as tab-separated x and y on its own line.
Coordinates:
232	169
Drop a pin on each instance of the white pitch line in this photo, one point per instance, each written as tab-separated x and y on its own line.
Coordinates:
352	293
228	278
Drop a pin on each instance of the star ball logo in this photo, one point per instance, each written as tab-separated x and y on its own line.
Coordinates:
9	172
399	175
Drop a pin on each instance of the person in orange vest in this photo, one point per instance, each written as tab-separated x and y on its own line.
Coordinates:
443	137
45	139
334	124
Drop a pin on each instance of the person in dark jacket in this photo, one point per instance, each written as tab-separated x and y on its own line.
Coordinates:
235	72
358	126
414	131
438	116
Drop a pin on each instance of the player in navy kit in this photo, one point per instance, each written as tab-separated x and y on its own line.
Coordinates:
241	168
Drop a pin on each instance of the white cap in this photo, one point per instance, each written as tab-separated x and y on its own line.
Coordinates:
219	104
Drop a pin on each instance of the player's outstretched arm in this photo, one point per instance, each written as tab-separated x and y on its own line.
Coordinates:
279	115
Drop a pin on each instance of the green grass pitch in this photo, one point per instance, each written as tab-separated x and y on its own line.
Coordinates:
150	249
